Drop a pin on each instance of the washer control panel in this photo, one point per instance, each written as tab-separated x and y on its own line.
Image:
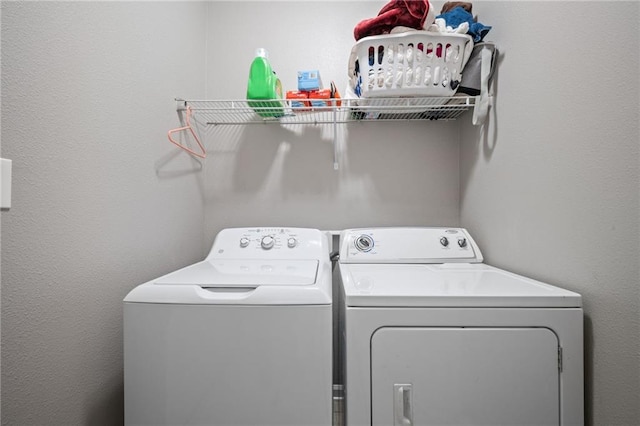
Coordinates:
271	243
408	245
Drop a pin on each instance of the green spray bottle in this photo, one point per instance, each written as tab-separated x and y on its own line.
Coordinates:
263	85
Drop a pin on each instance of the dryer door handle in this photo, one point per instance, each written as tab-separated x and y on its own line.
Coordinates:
402	405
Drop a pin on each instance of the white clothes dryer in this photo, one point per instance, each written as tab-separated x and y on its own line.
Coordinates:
242	338
432	336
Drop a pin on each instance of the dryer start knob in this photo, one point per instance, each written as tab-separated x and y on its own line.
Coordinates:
267	242
364	243
244	242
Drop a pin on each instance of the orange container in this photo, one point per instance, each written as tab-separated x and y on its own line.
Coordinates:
298	100
325	97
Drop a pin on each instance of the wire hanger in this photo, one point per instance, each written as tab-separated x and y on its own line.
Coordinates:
203	153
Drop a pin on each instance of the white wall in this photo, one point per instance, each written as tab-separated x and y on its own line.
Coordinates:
101	200
390	174
551	188
0	232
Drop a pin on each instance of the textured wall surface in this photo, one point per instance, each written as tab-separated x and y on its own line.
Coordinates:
390	173
551	188
101	200
0	235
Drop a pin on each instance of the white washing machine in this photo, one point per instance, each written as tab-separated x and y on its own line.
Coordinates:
241	338
432	336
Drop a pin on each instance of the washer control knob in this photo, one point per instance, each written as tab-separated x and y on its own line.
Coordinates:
267	242
444	241
292	242
364	243
462	242
244	242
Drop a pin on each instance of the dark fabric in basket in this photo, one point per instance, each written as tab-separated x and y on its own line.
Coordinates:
406	13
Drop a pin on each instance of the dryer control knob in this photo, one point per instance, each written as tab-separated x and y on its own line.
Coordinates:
364	243
462	242
444	241
292	242
244	242
267	242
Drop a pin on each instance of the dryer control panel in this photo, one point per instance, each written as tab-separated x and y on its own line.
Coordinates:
408	245
269	243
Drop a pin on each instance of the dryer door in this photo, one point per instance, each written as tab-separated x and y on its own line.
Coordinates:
464	376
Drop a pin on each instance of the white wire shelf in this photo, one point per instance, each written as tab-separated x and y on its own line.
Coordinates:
240	112
337	111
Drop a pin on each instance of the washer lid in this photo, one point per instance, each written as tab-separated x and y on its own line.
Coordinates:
241	282
244	273
448	285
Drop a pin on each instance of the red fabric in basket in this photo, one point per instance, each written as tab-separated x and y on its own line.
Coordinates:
406	13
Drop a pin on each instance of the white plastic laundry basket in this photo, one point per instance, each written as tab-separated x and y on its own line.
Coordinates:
415	63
